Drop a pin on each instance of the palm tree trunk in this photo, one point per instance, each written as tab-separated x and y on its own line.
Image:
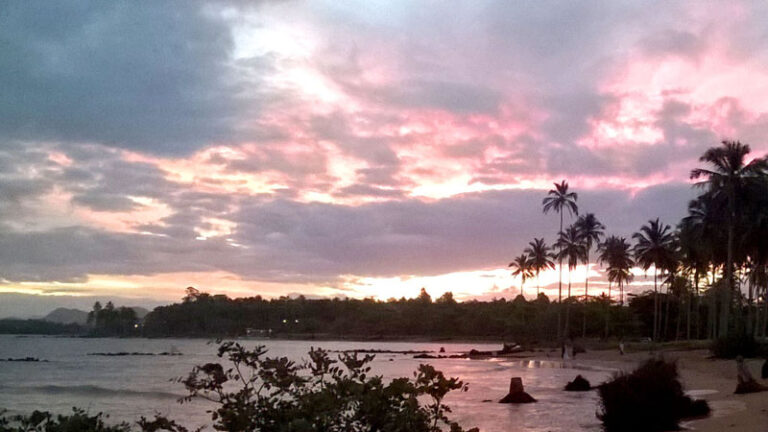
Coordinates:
698	303
728	292
538	283
765	311
666	313
568	307
688	309
655	305
586	297
679	316
750	327
608	309
621	293
560	287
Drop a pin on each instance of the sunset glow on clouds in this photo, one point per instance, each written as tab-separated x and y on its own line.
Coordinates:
342	149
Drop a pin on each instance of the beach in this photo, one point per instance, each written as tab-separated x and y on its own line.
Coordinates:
710	379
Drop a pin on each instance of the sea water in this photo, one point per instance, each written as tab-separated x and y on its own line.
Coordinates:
128	387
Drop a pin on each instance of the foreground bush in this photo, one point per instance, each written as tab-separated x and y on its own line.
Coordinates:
78	421
252	392
649	399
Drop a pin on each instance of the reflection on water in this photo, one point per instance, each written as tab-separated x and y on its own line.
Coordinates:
129	387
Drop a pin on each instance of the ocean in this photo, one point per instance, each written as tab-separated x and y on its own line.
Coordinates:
129	387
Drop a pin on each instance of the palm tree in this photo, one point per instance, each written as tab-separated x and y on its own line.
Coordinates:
654	247
694	260
573	250
590	230
522	267
728	177
616	253
539	254
559	199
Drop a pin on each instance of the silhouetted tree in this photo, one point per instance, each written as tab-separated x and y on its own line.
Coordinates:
653	247
560	200
523	267
730	175
540	257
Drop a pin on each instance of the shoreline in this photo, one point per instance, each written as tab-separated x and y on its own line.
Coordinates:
706	378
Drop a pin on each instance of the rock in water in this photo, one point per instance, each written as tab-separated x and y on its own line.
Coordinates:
578	384
517	393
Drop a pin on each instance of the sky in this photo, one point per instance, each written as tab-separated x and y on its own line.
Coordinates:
348	148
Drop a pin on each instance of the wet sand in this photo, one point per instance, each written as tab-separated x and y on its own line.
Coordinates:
713	380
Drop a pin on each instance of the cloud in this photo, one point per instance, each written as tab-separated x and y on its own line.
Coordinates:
149	76
301	143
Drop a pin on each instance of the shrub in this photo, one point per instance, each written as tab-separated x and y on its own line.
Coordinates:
649	399
41	421
257	393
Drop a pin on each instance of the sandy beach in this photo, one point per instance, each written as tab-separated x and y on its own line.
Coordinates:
710	379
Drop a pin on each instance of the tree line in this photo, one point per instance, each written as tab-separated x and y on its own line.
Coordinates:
520	320
717	253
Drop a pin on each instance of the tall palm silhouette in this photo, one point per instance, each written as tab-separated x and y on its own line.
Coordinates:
729	176
707	213
590	231
573	250
540	257
560	200
654	247
694	258
522	267
616	253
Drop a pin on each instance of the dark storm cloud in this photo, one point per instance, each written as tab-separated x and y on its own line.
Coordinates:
150	76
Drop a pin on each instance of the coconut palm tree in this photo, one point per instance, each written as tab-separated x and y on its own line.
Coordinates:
616	253
522	266
540	256
730	173
653	247
573	250
591	231
694	258
560	200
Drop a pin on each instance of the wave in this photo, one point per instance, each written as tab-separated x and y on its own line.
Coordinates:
91	391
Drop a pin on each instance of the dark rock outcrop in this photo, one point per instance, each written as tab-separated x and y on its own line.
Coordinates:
578	384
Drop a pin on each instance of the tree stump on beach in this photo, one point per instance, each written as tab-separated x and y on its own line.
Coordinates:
517	394
746	384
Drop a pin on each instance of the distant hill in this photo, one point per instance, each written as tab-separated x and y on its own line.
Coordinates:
67	316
